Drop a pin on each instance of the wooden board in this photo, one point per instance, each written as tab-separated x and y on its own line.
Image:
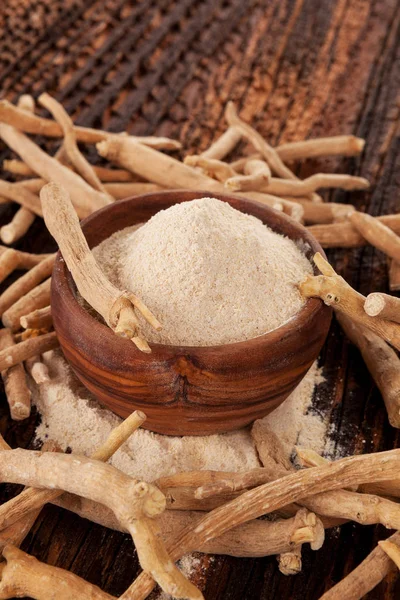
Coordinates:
294	68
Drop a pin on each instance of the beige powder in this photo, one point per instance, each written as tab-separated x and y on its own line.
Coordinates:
73	418
211	274
294	421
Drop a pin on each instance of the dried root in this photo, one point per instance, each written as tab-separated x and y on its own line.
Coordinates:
335	292
38	319
16	389
115	306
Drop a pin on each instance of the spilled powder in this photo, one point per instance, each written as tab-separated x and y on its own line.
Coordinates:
211	274
72	417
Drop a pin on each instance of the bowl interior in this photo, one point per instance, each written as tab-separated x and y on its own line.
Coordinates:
139	209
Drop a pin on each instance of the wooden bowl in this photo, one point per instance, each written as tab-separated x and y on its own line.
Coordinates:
186	390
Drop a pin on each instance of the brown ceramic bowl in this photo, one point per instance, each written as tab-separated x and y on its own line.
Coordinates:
186	390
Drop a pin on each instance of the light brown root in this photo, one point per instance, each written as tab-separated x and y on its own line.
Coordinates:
383	305
210	166
36	298
18	226
17	192
37	370
119	191
313	183
23	575
271	496
85	198
224	145
365	577
335	292
257	175
382	362
132	502
340	145
70	146
26	283
394	276
11	260
38	319
377	234
30	123
20	352
16	388
114	305
392	550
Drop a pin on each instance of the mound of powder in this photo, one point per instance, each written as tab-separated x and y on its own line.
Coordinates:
211	274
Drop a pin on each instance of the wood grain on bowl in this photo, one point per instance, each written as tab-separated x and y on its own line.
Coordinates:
186	390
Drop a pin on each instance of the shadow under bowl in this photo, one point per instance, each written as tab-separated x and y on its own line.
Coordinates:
186	390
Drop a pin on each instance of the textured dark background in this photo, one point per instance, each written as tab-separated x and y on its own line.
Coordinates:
295	69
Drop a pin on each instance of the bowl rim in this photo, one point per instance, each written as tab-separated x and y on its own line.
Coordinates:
309	310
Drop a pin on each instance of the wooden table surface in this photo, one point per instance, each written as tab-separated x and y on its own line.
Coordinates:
295	69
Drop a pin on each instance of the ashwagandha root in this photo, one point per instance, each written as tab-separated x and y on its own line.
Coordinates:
382	305
24	217
23	575
134	503
252	539
26	283
290	563
389	488
340	145
257	175
339	504
365	577
17	532
211	167
26	102
18	226
27	334
38	319
32	499
122	190
394	276
85	198
224	145
270	155
15	385
20	352
335	292
37	370
17	167
11	260
70	146
322	212
377	234
272	496
382	363
114	305
30	123
345	235
145	498
313	183
392	550
17	192
38	297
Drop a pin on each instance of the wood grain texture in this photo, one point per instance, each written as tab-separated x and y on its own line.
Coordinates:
187	390
295	69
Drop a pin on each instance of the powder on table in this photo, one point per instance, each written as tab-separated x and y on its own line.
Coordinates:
211	274
74	419
293	421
